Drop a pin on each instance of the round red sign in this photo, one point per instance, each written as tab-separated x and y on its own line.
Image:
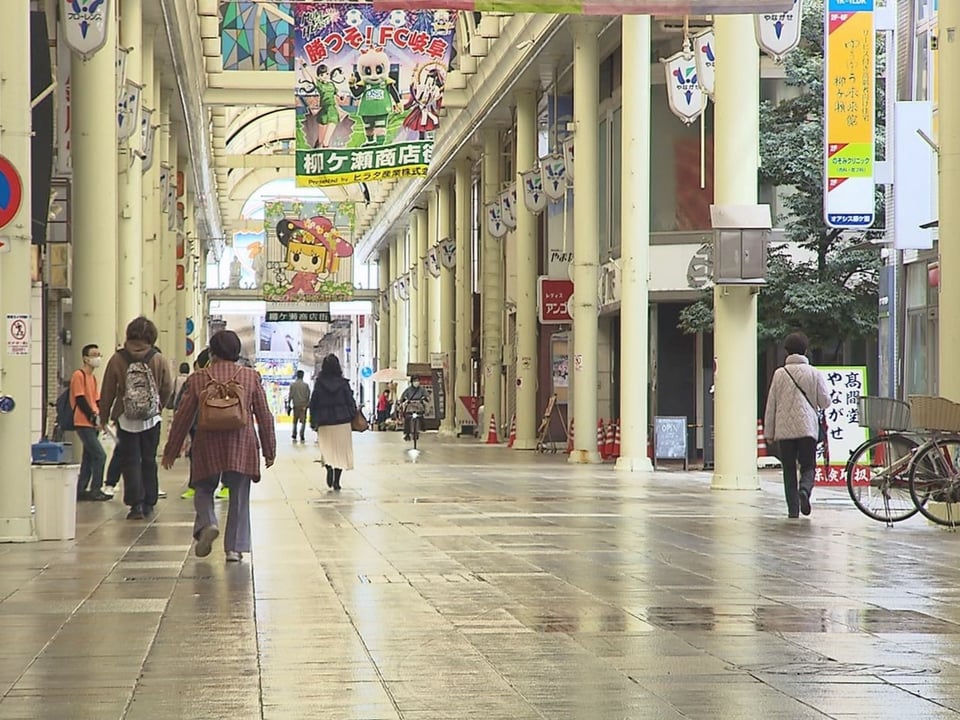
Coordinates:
11	191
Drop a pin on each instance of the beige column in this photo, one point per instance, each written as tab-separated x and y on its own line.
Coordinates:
130	251
464	288
396	305
383	324
737	131
948	136
93	114
150	285
416	288
403	319
526	268
420	230
15	375
447	288
635	254
586	224
433	312
166	312
178	352
492	289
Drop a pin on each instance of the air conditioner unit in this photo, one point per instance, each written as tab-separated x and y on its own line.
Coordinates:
695	23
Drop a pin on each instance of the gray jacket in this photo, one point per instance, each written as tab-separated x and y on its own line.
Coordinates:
788	414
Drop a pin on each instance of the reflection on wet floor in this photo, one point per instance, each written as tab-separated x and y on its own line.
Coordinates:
486	583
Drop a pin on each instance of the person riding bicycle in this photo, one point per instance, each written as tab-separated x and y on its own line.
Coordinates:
413	400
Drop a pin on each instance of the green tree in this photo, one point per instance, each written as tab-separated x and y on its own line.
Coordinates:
831	294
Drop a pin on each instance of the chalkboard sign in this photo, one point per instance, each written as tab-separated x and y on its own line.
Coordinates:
670	439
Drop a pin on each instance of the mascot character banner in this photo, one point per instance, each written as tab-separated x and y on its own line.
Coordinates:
599	7
369	90
309	251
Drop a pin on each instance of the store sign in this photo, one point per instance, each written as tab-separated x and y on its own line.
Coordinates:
85	25
849	113
845	385
779	33
686	97
297	316
554	298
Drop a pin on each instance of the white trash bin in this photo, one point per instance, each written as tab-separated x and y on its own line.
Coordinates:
55	501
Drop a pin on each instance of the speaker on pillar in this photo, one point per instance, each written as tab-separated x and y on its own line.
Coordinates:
41	144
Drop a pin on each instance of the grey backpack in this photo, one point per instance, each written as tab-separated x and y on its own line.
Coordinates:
141	396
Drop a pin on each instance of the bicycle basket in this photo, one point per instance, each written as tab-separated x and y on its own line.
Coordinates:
880	413
934	413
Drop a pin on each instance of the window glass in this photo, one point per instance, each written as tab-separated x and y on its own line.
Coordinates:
916	352
921	83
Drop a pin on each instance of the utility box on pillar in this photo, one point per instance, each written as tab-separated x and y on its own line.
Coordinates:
741	234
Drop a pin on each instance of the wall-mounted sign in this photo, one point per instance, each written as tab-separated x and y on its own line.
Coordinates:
779	33
554	300
684	93
85	25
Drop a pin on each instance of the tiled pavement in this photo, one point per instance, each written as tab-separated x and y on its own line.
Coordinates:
485	583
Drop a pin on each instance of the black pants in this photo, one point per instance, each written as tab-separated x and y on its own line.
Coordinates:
299	415
138	458
802	451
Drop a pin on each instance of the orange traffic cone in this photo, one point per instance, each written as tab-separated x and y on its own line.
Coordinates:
513	432
570	438
616	440
608	441
492	431
761	441
600	436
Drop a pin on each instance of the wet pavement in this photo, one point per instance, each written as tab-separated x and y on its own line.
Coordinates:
480	582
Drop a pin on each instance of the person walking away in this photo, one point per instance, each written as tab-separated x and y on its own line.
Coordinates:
383	409
202	361
230	456
299	399
136	385
85	401
178	384
332	409
414	398
797	392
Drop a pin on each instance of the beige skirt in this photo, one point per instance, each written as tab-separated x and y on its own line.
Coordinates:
336	445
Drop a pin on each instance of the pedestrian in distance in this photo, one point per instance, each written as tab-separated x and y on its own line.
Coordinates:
85	402
231	456
137	385
298	398
798	392
332	409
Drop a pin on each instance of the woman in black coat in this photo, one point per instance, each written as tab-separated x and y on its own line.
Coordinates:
332	409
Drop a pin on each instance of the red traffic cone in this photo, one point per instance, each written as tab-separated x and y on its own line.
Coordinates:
761	441
608	441
600	436
616	439
513	432
570	438
492	431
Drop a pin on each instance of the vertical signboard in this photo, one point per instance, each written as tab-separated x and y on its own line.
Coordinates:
849	113
845	385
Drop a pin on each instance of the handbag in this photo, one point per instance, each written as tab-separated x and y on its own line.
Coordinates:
359	422
821	417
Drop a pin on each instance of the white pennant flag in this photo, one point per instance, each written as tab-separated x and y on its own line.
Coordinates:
164	187
704	50
554	171
448	253
84	25
432	262
495	225
567	147
508	203
121	74
779	33
533	195
683	88
128	110
414	278
147	134
403	288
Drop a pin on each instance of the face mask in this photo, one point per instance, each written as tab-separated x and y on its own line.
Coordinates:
94	362
416	384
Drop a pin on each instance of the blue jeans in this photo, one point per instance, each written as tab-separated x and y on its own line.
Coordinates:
94	459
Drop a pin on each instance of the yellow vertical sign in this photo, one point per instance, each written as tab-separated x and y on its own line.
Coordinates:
849	113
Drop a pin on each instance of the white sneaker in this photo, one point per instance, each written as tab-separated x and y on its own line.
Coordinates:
109	490
233	556
205	540
161	493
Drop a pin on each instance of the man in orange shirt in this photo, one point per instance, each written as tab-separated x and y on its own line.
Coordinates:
85	401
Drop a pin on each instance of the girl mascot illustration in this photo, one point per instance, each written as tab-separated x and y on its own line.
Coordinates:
425	101
377	93
313	251
319	94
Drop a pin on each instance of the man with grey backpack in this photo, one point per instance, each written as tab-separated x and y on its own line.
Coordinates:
137	385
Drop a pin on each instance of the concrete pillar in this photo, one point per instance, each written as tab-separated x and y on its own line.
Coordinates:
166	312
586	224
93	114
464	287
15	376
447	292
396	305
492	287
433	311
420	230
383	324
737	131
150	285
635	254
526	289
403	320
130	252
416	288
178	351
948	136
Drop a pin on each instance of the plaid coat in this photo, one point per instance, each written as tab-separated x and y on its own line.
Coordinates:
216	452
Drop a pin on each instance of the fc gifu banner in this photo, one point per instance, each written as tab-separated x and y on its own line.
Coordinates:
369	90
597	7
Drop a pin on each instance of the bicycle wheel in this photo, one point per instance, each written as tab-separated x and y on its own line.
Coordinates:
885	494
415	431
935	481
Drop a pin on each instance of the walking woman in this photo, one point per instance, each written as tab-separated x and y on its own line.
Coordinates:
332	408
228	456
798	391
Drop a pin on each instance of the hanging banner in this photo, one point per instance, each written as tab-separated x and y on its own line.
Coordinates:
448	253
147	135
849	113
432	262
508	203
415	277
567	148
595	7
128	110
63	167
403	287
369	91
495	225
533	195
704	47
84	25
164	187
683	89
309	251
779	33
121	74
554	172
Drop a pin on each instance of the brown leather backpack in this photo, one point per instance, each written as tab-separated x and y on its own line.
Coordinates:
223	405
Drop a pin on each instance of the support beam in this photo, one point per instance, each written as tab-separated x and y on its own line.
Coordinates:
464	356
492	288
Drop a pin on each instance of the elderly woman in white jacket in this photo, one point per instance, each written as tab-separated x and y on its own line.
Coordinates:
797	392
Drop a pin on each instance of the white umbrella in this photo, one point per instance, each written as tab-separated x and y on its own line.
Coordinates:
388	375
